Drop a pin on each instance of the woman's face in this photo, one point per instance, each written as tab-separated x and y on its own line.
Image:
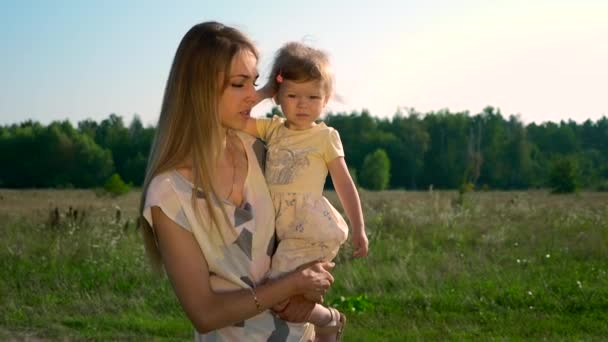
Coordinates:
239	96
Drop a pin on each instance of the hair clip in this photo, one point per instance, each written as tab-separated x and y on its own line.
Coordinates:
279	77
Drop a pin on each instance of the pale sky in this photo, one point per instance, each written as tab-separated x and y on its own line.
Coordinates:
546	60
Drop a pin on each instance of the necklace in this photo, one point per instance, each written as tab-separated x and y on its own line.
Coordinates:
232	161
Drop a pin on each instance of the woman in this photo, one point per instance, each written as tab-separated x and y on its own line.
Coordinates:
209	219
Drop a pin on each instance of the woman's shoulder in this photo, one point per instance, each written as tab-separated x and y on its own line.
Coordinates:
167	181
168	191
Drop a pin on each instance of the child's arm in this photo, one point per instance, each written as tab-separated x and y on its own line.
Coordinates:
347	192
262	94
251	127
266	92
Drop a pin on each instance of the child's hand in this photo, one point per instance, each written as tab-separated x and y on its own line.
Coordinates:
266	92
360	244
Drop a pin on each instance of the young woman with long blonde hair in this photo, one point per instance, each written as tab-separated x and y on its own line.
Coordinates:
208	216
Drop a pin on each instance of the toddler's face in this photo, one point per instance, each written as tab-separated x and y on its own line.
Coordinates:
301	102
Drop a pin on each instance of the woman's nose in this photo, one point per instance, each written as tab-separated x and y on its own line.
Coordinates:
251	94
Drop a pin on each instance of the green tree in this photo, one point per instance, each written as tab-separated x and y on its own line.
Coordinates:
407	155
92	164
375	174
563	176
115	186
446	159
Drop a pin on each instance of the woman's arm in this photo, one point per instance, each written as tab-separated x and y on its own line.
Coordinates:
347	192
188	271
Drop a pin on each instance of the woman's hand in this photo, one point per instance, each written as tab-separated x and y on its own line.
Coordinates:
313	279
298	310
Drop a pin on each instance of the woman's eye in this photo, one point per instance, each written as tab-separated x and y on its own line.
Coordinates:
237	85
291	96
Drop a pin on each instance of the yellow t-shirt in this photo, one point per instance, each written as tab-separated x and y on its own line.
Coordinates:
297	159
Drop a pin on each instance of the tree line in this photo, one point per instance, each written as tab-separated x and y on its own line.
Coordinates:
411	150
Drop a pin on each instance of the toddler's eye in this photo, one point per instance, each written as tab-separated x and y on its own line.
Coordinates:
291	96
315	97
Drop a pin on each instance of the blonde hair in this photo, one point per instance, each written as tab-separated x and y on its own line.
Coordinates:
301	63
189	127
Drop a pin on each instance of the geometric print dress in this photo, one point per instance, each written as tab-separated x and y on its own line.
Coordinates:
238	252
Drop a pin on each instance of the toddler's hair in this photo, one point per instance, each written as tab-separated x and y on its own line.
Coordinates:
301	63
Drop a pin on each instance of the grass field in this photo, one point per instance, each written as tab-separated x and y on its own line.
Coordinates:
486	266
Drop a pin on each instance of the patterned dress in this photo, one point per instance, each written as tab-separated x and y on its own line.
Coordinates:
308	227
238	253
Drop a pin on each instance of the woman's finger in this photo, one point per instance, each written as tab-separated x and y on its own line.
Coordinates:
330	278
307	265
328	266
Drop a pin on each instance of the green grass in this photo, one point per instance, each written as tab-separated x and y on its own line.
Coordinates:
489	266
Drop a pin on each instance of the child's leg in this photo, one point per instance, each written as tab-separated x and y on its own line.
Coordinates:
329	323
320	315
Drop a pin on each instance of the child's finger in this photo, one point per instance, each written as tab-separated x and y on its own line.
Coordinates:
360	252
